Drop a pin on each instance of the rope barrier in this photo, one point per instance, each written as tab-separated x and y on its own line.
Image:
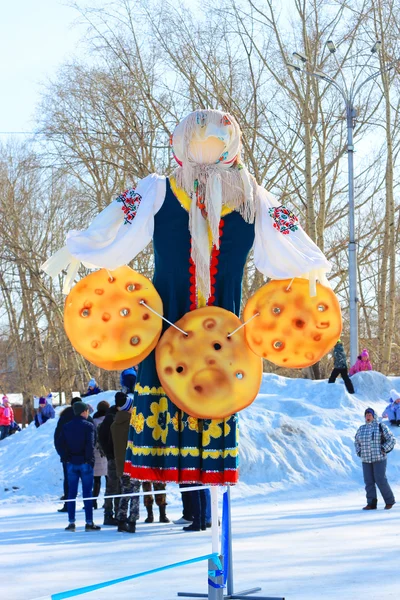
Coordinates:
186	489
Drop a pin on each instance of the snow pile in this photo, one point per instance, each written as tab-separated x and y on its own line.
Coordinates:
29	464
301	431
298	432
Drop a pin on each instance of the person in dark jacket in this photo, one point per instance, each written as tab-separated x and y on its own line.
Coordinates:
112	482
93	389
127	380
65	417
119	432
75	446
340	367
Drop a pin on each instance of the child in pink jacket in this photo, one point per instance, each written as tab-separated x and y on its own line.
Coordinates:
362	363
6	417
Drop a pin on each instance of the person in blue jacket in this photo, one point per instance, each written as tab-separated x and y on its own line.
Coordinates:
127	380
392	411
93	389
45	410
75	445
65	417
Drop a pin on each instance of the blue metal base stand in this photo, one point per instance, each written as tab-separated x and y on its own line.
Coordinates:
230	595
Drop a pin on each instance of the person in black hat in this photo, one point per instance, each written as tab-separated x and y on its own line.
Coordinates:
119	432
113	485
340	367
65	417
373	442
75	446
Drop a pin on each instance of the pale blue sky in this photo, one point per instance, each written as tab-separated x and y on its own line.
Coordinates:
36	36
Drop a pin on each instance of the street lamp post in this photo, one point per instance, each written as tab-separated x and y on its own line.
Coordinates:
353	308
349	95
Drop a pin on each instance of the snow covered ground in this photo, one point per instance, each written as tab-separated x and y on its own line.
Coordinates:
298	529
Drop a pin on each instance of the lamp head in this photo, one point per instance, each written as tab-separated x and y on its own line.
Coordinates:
300	56
376	47
321	75
331	46
293	67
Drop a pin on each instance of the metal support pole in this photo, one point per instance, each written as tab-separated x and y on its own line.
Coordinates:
229	558
215	581
351	114
214	519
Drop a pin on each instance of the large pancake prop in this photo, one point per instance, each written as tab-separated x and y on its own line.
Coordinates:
204	370
113	318
290	328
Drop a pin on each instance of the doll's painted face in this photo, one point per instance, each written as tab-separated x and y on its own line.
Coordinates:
206	151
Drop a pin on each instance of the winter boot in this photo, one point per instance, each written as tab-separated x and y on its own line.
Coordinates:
63	509
92	527
132	526
389	506
124	527
398	423
110	520
150	516
163	516
371	505
192	527
71	527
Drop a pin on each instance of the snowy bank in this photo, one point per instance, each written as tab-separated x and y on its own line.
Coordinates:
297	434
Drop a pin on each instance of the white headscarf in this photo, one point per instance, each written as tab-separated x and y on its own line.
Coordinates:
225	182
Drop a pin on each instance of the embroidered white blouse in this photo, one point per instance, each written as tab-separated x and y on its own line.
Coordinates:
123	229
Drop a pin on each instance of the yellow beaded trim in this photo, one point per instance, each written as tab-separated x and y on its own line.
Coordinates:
152	391
185	452
186	201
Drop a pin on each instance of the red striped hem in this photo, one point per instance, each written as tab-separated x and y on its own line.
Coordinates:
181	475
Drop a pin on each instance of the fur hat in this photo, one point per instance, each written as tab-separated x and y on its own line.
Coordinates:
365	353
394	395
369	410
79	408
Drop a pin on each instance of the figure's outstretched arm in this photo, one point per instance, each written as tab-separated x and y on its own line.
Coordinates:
115	236
282	249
